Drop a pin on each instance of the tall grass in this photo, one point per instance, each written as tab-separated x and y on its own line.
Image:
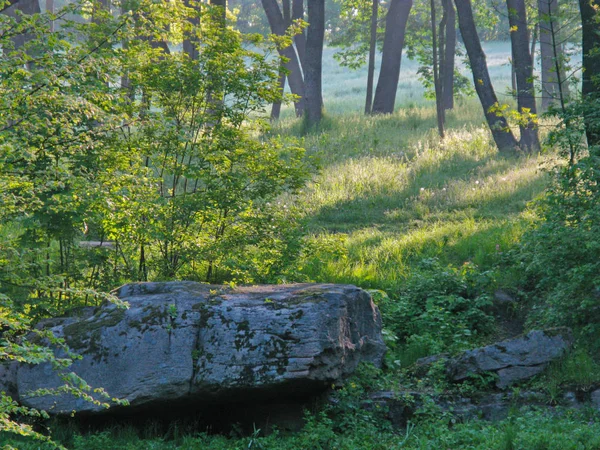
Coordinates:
395	193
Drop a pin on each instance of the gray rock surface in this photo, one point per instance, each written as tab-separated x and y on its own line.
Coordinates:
191	343
8	379
514	359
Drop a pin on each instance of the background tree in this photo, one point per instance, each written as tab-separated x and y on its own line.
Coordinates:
503	137
523	67
313	68
590	18
287	51
391	56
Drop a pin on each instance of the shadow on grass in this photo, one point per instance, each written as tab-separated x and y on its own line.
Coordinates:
412	203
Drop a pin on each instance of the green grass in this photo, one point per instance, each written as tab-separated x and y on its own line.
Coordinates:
344	90
396	194
532	430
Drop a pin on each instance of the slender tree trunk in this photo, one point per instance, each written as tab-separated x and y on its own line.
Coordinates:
314	62
503	137
278	27
591	66
26	7
391	57
299	39
551	54
523	64
276	107
190	40
449	49
50	9
372	50
222	5
439	100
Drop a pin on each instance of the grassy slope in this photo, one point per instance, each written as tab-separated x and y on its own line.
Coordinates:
397	194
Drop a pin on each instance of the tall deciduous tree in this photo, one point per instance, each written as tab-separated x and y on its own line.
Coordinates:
503	137
279	28
447	52
300	37
552	54
590	18
439	99
27	7
372	50
523	66
313	66
391	57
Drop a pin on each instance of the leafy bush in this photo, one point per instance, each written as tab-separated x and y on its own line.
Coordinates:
441	309
559	258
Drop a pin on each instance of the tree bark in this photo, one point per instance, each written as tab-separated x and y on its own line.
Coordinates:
27	7
190	41
391	57
449	52
503	137
552	54
439	100
314	62
547	12
300	38
276	107
278	27
372	50
591	67
287	18
50	9
523	64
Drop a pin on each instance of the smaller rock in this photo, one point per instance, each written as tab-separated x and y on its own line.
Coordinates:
503	297
8	379
513	359
570	400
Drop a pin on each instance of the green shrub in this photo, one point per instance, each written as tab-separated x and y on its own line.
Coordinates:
560	258
441	309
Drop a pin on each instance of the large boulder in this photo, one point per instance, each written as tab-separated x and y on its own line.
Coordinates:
186	343
513	359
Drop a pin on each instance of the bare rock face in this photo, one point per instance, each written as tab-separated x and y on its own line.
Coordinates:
514	359
186	343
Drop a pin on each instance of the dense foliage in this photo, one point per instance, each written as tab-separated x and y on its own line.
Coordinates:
560	255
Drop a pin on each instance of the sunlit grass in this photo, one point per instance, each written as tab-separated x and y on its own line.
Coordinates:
397	193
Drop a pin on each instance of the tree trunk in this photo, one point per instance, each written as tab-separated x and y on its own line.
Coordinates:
591	67
27	7
523	64
391	57
503	137
276	107
222	4
190	41
372	50
278	27
299	39
50	9
551	54
449	49
314	62
439	100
